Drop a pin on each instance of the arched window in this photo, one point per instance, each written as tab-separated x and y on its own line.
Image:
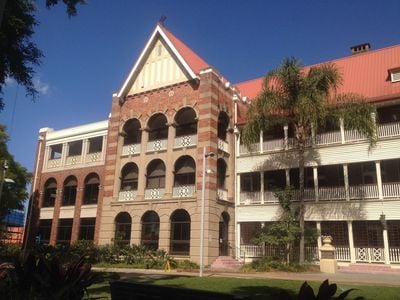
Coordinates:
224	234
180	233
223	125
129	177
158	129
132	133
221	173
150	230
155	174
186	122
92	184
50	191
123	224
69	191
185	171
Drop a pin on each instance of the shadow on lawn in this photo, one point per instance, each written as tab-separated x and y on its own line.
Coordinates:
264	293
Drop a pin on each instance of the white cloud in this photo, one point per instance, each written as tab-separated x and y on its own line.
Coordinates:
42	87
9	81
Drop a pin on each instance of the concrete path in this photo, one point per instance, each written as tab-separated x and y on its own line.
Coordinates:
340	277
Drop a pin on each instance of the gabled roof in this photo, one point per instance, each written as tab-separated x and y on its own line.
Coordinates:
191	62
366	74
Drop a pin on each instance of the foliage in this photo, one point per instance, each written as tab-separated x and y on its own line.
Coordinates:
19	55
39	278
8	251
326	292
187	265
270	264
285	232
305	99
14	194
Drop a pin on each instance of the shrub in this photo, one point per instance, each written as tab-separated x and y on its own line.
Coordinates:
187	265
326	292
270	264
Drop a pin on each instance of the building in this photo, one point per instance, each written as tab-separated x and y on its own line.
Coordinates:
137	178
14	227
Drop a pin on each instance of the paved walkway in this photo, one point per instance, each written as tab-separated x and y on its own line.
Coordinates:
340	277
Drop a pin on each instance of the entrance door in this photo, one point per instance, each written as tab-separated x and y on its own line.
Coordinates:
223	234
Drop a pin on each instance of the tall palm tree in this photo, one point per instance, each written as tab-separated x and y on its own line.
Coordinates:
305	99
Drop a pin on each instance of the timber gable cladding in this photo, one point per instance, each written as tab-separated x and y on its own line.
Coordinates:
169	78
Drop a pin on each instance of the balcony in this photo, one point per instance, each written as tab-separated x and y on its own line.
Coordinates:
131	149
156	193
127	195
223	145
368	191
273	145
54	163
332	137
391	190
332	193
243	149
73	160
92	157
184	191
157	145
185	141
250	198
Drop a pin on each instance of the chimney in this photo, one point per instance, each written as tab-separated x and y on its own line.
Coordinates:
357	49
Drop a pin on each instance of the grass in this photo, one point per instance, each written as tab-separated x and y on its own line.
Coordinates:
256	289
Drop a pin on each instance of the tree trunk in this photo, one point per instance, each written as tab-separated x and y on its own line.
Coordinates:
301	199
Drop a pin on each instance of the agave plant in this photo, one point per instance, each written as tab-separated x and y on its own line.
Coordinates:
326	292
40	278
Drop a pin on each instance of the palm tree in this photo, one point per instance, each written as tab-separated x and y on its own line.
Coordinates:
305	99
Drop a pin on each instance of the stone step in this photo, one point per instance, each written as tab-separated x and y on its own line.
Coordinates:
225	263
369	268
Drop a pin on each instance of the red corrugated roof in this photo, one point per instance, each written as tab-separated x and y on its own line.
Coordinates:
366	74
195	62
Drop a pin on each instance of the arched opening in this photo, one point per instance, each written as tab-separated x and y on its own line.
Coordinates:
223	125
224	234
69	191
186	122
91	193
129	177
221	173
184	177
123	224
180	233
50	192
150	230
131	132
155	179
158	129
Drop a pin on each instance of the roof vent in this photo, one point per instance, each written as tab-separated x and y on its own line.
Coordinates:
360	48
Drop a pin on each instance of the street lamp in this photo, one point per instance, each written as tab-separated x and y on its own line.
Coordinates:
203	196
4	179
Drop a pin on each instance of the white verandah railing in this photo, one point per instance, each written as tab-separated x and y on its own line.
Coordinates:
183	191
367	191
130	149
185	141
391	190
250	197
332	193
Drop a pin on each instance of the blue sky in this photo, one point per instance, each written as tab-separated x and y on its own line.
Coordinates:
88	57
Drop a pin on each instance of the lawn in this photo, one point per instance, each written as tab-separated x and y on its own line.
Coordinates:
254	288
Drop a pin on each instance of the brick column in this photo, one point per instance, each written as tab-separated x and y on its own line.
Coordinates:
80	192
56	216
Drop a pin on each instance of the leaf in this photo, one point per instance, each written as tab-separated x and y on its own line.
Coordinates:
326	290
306	292
345	294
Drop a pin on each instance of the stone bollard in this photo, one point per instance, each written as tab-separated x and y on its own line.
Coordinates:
328	262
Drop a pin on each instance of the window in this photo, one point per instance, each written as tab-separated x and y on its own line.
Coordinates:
221	173
123	224
69	191
129	177
158	129
393	233
274	180
86	229
248	232
368	234
186	122
64	231
150	230
331	176
91	192
180	233
185	171
390	170
308	178
55	151
44	231
250	182
337	230
132	133
388	114
274	133
223	125
50	192
362	173
395	75
155	174
75	148
95	144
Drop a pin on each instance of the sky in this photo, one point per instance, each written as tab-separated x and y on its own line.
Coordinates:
88	57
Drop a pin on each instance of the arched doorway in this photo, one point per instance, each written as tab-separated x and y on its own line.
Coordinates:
223	234
123	224
150	230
